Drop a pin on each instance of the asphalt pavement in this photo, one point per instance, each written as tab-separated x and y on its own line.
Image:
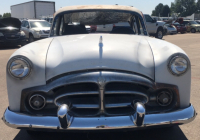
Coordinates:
190	43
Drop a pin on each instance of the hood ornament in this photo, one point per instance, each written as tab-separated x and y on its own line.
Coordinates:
101	41
101	82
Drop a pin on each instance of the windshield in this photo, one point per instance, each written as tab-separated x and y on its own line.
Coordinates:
39	24
95	22
193	22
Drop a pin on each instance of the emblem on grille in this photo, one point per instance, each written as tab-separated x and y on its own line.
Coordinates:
101	82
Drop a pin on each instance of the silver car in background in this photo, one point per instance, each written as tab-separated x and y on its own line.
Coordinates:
170	29
36	29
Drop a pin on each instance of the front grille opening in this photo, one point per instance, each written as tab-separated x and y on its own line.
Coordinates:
120	111
119	86
76	88
79	100
83	112
48	110
118	98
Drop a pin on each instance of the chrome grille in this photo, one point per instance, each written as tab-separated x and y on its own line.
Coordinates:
83	99
92	93
120	97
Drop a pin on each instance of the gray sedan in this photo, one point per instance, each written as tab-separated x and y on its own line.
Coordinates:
170	29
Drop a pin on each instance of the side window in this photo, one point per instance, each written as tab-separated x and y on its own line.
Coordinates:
141	30
61	27
134	25
23	23
26	24
148	18
185	22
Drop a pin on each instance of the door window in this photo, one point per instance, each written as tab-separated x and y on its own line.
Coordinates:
148	18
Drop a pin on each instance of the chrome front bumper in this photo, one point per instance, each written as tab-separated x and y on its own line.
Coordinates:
20	121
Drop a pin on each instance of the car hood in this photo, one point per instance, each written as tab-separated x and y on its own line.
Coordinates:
195	25
10	22
72	53
40	28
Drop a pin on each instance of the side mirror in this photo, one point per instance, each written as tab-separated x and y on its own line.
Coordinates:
27	26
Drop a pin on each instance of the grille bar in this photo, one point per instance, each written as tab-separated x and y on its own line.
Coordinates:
95	106
120	105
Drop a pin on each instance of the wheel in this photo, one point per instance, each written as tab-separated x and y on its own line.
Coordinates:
159	34
31	38
193	30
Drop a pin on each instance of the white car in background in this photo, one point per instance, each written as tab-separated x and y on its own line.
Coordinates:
35	29
154	27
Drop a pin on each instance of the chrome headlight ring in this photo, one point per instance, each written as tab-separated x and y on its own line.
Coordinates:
178	64
19	67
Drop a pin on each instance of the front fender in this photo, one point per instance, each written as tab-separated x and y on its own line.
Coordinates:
162	51
36	53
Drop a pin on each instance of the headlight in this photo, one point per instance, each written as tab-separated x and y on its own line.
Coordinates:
21	33
1	34
178	64
39	32
19	67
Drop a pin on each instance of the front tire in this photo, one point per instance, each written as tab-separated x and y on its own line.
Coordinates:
31	38
159	34
193	30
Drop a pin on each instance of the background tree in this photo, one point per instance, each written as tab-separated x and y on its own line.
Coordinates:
198	6
6	15
184	7
0	16
165	11
158	10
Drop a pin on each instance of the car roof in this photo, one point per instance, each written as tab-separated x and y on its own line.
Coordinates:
98	7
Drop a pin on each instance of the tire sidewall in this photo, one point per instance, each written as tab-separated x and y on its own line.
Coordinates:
31	37
159	30
193	30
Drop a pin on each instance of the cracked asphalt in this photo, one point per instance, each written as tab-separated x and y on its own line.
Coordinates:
190	43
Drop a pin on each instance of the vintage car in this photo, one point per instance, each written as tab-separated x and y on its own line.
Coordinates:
77	80
11	33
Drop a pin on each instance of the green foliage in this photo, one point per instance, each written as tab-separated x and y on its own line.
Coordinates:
198	6
158	10
5	15
161	10
184	7
0	16
181	8
165	11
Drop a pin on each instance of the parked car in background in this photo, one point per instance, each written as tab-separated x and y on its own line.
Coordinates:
154	27
170	29
198	21
192	26
11	33
93	28
50	20
180	27
36	29
75	80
